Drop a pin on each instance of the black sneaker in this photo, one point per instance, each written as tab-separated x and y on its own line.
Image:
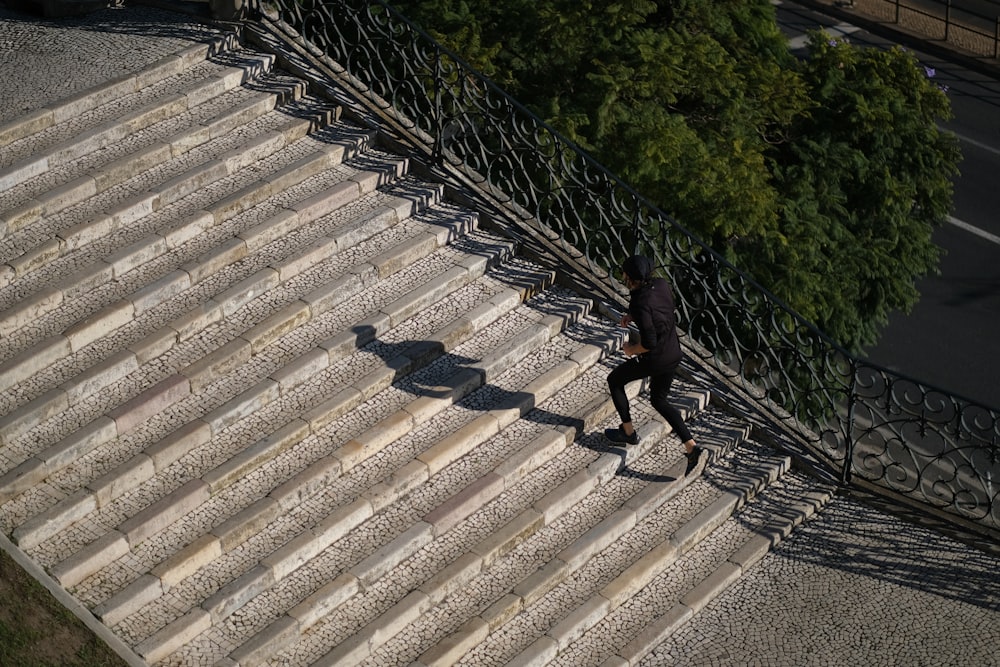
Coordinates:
619	437
693	458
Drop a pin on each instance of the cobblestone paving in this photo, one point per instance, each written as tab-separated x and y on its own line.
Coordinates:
47	60
854	586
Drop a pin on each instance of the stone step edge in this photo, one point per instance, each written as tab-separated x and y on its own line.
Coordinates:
199	432
134	207
122	169
458	573
571	558
55	348
508	473
67	108
449	449
79	188
739	562
110	318
155	244
168	509
285	560
143	466
200	373
112	131
181	384
138	206
542	513
287	379
564	632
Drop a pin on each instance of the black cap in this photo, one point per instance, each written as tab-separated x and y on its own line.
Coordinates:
638	268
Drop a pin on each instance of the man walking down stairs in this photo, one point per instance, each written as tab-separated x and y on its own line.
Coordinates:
268	398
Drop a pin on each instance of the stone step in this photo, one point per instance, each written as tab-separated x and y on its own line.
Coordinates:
48	124
185	115
546	612
625	486
676	595
67	365
430	447
162	152
193	78
538	476
283	492
220	478
419	408
284	244
289	370
106	235
343	329
357	270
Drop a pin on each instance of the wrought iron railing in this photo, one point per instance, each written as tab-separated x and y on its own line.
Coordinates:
868	423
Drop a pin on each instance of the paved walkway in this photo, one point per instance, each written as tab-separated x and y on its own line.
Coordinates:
852	587
968	41
855	586
42	61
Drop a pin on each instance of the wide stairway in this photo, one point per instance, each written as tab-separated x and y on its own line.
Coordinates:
266	398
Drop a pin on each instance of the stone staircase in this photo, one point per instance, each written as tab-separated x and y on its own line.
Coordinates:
267	398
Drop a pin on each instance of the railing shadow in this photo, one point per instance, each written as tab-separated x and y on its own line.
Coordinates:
850	535
463	122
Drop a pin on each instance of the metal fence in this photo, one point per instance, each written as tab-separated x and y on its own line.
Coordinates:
866	422
972	25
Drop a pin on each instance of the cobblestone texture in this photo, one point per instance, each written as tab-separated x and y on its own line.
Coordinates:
46	61
853	585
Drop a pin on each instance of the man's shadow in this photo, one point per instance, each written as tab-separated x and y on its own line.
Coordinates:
597	443
425	369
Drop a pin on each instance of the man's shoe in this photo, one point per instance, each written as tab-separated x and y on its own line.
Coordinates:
693	458
619	437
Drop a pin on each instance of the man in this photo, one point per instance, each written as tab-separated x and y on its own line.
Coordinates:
656	354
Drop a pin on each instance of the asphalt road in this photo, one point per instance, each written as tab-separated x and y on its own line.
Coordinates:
951	337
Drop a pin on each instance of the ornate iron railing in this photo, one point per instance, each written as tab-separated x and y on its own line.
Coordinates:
867	422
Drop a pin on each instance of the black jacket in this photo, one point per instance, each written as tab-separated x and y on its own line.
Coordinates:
652	309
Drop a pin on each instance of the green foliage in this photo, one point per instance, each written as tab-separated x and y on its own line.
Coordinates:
865	179
822	178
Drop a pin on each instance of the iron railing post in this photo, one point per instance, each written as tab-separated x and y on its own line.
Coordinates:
852	397
437	152
727	310
636	232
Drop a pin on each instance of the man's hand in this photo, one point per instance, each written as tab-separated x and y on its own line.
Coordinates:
625	320
631	349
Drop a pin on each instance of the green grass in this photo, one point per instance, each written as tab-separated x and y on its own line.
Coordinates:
37	631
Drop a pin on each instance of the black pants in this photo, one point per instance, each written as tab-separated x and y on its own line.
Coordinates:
659	388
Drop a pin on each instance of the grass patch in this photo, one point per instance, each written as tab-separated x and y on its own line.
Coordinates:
37	631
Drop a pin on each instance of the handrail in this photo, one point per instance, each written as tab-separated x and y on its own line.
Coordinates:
876	427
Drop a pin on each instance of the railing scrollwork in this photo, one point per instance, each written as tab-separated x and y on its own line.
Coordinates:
891	431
